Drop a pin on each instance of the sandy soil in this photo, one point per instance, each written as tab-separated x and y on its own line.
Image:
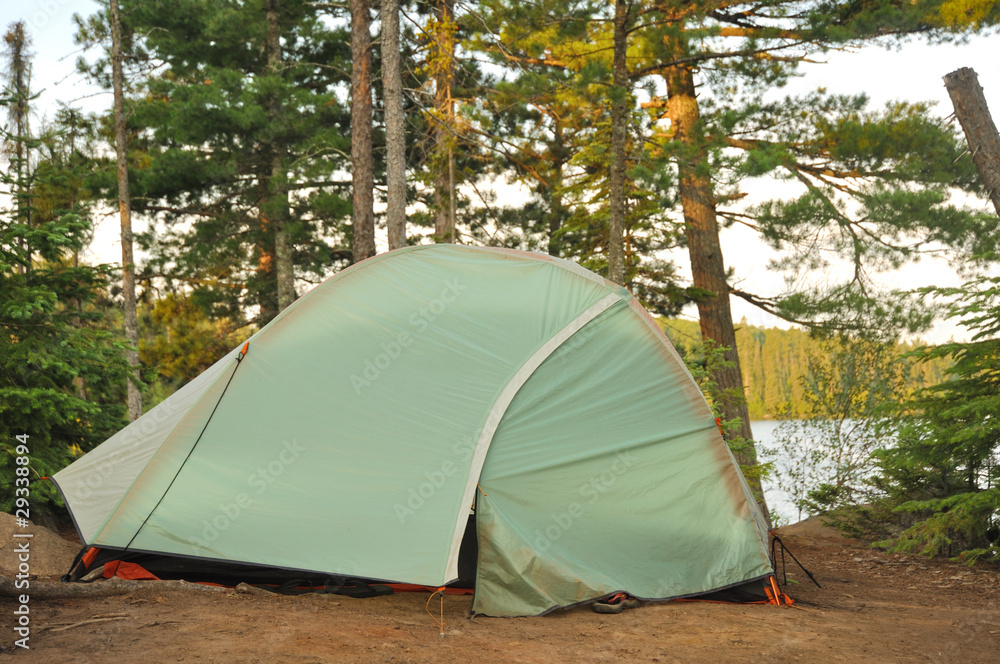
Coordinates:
873	607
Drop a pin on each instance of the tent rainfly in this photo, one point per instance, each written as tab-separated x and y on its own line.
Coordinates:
353	434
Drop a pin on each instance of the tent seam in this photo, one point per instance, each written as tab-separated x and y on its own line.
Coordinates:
499	408
181	467
197	440
128	491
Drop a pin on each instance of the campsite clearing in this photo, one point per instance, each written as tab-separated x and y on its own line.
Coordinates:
873	607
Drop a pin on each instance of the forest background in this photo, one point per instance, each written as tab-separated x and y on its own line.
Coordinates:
254	138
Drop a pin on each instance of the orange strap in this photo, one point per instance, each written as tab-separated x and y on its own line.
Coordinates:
130	571
88	558
775	595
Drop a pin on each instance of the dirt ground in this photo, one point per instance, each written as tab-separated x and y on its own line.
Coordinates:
873	607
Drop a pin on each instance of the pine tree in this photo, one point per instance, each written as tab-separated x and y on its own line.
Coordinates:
395	127
620	103
713	142
941	480
441	65
124	210
550	124
62	374
536	121
17	77
275	211
981	133
235	146
362	154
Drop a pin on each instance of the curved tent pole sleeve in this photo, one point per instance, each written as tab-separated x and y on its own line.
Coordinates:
239	360
500	406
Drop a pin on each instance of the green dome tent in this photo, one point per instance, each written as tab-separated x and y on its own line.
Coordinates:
353	434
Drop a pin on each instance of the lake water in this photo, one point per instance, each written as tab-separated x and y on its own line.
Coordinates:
778	501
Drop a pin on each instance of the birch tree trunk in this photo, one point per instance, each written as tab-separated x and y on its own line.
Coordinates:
395	130
362	158
125	212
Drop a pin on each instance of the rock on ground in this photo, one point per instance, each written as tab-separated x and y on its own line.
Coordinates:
50	554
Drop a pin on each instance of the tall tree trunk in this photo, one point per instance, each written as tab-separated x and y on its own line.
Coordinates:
266	260
125	212
18	74
443	50
556	210
395	129
442	199
980	131
284	267
78	382
276	205
708	269
619	131
362	158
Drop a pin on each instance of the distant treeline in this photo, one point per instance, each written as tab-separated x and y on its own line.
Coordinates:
774	363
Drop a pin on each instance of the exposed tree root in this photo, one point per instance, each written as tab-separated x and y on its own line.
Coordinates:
59	590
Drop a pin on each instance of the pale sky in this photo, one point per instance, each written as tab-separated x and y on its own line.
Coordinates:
912	73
